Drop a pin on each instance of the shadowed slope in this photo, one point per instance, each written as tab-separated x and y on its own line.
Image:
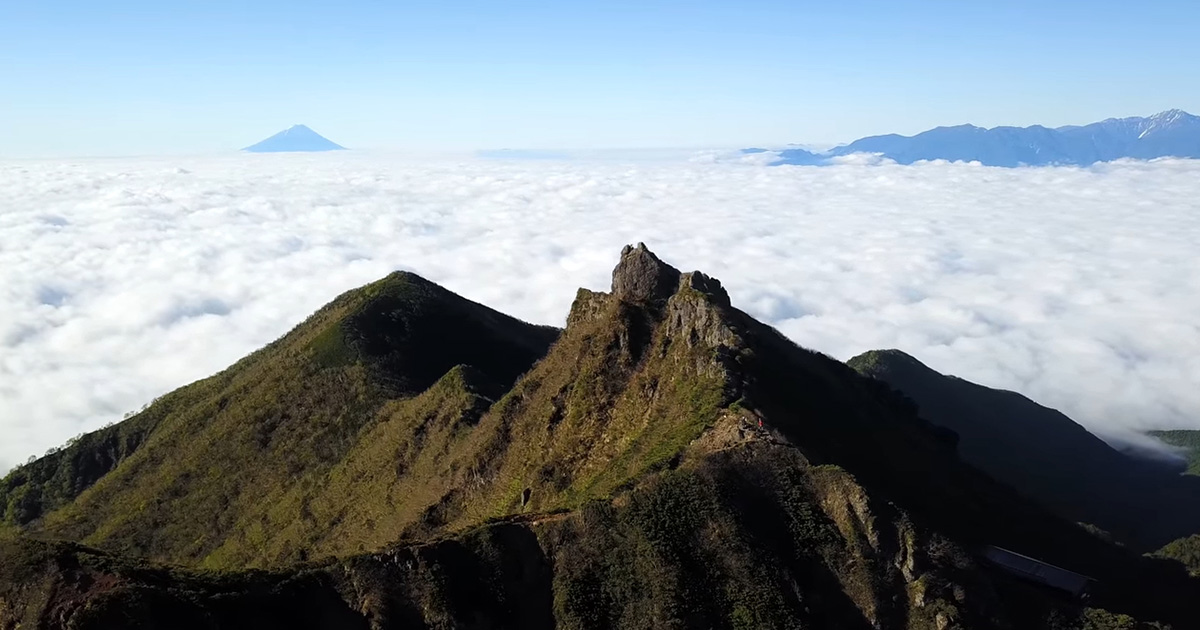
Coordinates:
1047	456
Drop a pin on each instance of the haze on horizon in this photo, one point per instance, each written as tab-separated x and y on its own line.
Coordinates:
135	77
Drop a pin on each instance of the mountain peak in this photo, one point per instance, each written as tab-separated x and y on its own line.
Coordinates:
642	277
295	138
875	362
1171	116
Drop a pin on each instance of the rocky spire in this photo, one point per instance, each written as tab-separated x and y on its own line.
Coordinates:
642	277
704	284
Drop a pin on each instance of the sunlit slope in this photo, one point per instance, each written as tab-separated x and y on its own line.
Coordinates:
215	459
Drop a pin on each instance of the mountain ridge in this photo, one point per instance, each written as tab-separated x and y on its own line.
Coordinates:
1171	133
663	461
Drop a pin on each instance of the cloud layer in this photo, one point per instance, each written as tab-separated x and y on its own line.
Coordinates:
123	279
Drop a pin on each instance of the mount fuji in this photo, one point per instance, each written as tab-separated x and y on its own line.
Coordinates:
294	138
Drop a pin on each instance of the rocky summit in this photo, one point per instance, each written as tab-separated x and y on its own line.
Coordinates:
408	458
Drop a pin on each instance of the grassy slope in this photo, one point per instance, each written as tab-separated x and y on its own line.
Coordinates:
590	418
744	534
206	482
1044	454
587	420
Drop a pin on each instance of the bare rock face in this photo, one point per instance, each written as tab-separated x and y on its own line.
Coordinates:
697	319
642	277
709	286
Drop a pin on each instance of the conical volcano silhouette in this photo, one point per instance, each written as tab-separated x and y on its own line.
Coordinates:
294	138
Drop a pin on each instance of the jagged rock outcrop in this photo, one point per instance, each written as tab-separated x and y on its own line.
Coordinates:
642	277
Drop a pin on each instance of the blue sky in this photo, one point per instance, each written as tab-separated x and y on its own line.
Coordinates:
140	77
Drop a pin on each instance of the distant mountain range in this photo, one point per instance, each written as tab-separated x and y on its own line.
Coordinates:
1173	133
294	138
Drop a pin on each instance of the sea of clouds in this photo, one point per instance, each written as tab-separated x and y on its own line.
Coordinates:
121	279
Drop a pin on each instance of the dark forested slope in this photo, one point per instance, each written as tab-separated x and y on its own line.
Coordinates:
1047	456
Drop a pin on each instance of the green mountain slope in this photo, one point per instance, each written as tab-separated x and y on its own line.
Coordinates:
668	462
1188	441
192	478
1186	551
748	536
1047	456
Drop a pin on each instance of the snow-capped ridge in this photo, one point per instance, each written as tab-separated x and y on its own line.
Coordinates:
1170	133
